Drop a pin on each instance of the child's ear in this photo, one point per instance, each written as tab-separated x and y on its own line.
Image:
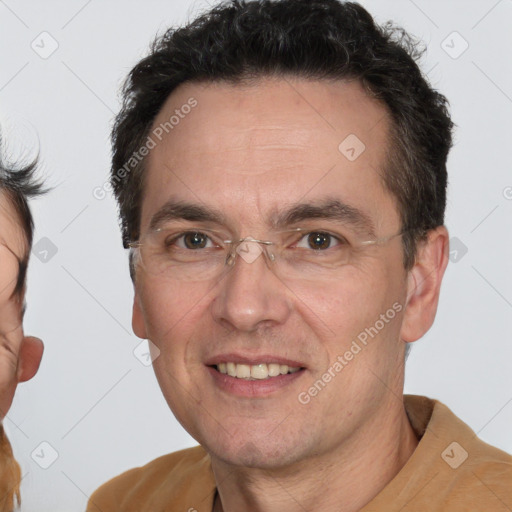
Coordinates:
30	355
424	284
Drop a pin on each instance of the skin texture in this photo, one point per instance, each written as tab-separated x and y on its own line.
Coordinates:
20	356
252	151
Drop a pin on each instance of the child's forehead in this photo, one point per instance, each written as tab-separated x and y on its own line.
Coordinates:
12	233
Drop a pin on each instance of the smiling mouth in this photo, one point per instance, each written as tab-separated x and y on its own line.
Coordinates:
255	371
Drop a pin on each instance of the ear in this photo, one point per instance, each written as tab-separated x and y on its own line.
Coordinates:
138	324
30	355
424	284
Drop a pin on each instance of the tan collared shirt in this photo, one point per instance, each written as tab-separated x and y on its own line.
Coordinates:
451	470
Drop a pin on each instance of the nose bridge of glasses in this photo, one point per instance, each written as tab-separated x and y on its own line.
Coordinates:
250	249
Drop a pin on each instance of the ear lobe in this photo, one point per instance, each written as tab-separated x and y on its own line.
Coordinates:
138	324
424	284
30	355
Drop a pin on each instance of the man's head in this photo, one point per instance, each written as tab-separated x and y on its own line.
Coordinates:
20	355
305	126
314	39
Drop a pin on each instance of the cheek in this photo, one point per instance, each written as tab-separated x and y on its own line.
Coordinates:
335	303
350	308
165	306
173	315
10	307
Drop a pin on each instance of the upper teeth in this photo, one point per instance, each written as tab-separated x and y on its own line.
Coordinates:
255	371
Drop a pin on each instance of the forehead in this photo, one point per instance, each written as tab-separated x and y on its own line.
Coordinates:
11	231
276	141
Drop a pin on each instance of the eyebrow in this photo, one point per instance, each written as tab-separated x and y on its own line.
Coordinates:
328	209
185	211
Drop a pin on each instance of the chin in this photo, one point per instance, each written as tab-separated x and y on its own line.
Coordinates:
257	452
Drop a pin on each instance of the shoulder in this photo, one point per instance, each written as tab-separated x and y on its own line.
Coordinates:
460	468
486	471
167	478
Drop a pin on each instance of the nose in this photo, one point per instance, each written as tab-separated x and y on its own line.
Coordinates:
250	295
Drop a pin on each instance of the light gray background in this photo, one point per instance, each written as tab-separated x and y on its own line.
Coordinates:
93	401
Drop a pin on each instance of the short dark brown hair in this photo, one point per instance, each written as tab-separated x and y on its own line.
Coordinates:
242	40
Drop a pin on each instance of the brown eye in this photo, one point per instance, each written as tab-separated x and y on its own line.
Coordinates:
195	240
319	241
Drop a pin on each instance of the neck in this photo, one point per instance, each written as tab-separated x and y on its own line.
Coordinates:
343	480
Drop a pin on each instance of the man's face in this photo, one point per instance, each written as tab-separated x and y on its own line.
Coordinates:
253	154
